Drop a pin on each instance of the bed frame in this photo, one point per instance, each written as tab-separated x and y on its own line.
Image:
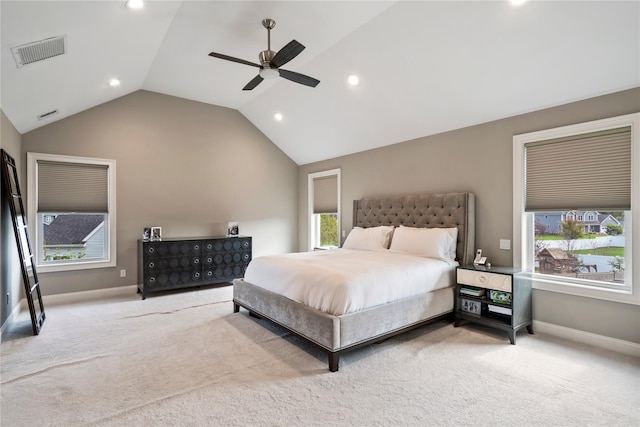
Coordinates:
339	334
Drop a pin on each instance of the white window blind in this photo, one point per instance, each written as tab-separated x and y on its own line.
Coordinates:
590	171
72	187
325	194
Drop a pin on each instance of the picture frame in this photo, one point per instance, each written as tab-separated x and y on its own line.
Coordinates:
233	229
156	233
146	233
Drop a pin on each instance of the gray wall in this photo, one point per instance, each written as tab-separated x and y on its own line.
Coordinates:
186	166
479	159
10	273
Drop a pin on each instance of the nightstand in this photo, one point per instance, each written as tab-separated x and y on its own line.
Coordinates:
498	297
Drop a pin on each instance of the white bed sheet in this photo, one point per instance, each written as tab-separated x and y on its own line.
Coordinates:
340	281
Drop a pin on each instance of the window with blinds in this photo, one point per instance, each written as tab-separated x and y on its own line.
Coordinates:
73	203
574	205
588	171
324	209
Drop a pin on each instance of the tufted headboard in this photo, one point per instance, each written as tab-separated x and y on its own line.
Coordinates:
443	210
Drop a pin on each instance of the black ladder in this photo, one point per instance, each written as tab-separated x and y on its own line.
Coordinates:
23	241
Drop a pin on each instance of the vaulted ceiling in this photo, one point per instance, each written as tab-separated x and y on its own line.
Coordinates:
425	67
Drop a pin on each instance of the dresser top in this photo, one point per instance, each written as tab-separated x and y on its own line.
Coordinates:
492	269
191	239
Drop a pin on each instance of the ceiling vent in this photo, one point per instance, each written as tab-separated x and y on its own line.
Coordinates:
47	115
39	51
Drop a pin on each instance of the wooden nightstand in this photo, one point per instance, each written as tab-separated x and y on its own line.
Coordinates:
499	297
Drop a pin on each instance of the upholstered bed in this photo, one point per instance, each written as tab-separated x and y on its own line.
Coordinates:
337	334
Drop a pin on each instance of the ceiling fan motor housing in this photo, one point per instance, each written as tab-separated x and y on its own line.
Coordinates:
265	57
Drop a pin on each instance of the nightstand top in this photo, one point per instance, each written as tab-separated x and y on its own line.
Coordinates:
492	269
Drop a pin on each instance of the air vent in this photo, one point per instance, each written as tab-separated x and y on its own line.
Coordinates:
47	115
39	51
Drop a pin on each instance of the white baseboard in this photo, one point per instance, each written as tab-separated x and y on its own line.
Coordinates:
614	344
14	314
73	297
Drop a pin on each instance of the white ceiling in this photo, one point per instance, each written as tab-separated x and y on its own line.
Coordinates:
425	66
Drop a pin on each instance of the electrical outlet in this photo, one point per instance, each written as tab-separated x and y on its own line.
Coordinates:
123	273
505	244
344	233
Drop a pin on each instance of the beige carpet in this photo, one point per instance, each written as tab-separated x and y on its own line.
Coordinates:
186	359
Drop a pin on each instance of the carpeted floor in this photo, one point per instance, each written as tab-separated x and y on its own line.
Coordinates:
186	359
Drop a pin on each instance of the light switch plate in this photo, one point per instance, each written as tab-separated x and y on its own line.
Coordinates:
505	244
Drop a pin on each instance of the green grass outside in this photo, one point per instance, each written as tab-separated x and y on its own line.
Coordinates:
604	251
559	237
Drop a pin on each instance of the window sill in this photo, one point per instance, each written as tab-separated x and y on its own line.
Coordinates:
621	296
74	266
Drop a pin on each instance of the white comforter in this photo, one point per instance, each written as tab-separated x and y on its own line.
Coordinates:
340	281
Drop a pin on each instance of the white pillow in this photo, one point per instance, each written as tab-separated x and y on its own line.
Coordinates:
369	239
424	242
453	232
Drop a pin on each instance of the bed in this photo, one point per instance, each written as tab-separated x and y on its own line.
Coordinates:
337	331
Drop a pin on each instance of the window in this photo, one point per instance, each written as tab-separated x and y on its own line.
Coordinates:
72	209
324	208
325	231
575	207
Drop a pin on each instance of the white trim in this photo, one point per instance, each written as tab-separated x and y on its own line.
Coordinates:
32	203
311	177
92	295
523	251
613	344
22	305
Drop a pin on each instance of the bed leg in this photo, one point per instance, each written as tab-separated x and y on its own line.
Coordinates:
334	361
236	308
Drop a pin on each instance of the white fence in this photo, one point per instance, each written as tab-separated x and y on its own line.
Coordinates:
579	244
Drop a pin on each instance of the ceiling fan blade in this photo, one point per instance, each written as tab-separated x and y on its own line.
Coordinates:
253	83
299	78
286	54
231	58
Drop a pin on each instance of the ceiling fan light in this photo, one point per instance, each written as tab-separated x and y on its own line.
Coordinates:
268	73
353	80
134	4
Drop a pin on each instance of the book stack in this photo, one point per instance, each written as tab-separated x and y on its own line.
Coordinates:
472	292
500	310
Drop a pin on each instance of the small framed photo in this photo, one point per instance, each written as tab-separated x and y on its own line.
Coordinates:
146	233
232	229
156	233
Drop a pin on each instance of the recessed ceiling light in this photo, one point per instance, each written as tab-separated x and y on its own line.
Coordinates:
278	116
518	2
114	82
134	4
353	80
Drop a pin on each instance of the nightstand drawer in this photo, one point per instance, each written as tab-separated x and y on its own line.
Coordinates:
485	279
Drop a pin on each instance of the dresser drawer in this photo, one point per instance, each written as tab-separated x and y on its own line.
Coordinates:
485	279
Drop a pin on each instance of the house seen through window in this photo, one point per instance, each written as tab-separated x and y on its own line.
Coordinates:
592	249
72	237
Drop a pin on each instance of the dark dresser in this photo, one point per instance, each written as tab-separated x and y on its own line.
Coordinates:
181	263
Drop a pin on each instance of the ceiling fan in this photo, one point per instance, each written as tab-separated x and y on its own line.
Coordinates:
270	61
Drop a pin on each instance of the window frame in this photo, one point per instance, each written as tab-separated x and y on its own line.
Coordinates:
523	222
32	214
310	200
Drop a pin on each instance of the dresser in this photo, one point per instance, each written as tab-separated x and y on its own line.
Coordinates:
499	297
181	263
